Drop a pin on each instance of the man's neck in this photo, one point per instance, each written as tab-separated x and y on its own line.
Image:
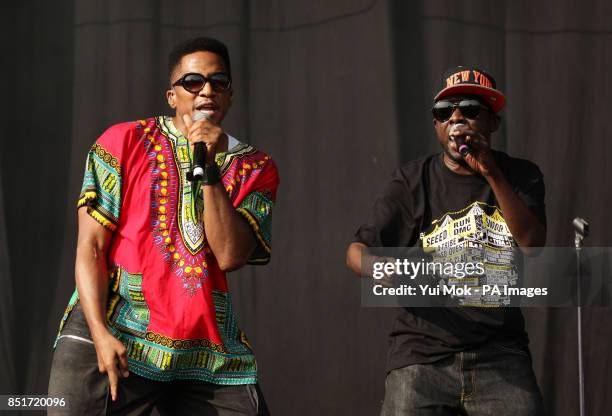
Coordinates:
456	167
179	125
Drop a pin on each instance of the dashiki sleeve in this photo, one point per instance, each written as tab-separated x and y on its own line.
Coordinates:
251	180
101	189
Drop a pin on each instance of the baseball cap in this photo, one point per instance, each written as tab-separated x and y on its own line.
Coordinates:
472	81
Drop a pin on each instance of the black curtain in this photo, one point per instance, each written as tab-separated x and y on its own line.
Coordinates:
338	93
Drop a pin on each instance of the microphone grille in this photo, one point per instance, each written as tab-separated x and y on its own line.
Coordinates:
199	115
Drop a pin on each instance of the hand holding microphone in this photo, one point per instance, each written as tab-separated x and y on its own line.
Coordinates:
459	139
205	136
199	150
474	148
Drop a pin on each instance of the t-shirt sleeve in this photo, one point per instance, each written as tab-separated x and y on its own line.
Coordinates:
101	189
532	193
256	207
391	221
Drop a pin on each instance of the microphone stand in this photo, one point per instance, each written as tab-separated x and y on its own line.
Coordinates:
581	230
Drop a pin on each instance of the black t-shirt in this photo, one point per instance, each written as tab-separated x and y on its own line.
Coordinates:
423	197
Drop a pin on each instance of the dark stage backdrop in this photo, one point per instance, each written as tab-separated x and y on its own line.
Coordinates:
338	93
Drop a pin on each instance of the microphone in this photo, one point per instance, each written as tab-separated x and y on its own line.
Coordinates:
462	146
581	226
199	151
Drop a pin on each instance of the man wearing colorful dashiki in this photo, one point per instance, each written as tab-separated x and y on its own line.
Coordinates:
152	309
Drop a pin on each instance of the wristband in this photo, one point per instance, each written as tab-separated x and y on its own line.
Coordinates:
212	176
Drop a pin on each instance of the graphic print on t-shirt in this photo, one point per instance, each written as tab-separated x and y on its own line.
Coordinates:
475	234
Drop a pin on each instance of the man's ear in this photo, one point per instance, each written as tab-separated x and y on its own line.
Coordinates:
495	122
171	98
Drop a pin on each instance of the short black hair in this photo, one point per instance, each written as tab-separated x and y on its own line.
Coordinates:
201	44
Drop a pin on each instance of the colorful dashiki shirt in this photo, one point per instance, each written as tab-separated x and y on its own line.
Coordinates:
168	300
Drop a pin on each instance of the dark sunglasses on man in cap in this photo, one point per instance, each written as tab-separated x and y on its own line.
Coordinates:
194	82
470	108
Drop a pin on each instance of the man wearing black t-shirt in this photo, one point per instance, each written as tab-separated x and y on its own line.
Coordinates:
462	360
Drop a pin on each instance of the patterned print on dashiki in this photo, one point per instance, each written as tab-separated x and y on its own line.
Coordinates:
168	299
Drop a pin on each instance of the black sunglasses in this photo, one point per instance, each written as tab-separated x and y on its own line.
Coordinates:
194	82
443	110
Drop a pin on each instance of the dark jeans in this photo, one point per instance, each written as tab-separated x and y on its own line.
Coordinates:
75	377
493	380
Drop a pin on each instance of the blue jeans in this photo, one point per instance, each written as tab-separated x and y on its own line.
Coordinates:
496	379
